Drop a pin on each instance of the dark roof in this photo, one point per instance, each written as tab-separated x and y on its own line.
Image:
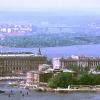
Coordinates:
16	53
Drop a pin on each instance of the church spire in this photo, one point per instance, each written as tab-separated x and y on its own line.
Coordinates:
39	52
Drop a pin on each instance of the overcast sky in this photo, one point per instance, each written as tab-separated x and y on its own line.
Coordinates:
49	5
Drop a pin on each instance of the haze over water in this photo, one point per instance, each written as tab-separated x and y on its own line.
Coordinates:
51	52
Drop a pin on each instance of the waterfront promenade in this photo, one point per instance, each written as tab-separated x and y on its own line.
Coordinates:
13	78
21	94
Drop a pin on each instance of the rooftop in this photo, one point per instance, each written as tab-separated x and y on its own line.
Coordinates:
78	58
17	54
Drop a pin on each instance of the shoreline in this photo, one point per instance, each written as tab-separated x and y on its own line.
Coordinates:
62	90
58	90
71	88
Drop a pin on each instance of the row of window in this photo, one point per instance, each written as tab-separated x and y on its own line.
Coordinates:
89	63
20	62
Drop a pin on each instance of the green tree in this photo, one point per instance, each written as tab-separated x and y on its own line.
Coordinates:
97	79
49	62
74	67
62	80
98	68
86	79
44	77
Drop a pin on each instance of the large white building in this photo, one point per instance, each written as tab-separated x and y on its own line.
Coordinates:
20	62
81	61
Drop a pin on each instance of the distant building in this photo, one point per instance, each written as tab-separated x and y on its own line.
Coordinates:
81	61
43	67
20	62
32	77
38	78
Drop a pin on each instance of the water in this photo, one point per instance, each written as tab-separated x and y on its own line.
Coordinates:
33	95
88	50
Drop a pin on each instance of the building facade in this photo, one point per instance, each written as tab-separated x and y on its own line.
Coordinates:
32	77
81	61
20	62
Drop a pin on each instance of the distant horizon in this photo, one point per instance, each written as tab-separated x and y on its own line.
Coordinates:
54	13
50	5
44	18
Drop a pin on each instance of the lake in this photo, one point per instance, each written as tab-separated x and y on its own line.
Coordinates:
88	50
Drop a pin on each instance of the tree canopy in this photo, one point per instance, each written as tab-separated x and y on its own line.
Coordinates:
63	79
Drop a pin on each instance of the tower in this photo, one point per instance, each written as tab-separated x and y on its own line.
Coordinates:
39	52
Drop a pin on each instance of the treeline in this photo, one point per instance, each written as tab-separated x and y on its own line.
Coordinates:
63	80
45	40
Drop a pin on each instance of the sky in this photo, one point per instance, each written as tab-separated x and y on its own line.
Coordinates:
49	5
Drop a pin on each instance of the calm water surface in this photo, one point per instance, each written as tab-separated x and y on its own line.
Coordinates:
89	50
33	95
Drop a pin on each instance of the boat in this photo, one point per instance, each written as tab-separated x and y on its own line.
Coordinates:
2	91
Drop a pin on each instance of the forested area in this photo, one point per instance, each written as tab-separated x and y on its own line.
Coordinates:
47	40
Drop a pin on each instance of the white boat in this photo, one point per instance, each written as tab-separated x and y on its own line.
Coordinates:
10	83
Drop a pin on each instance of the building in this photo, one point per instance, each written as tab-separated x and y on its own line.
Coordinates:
11	62
81	61
38	78
32	77
43	67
